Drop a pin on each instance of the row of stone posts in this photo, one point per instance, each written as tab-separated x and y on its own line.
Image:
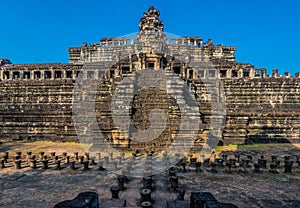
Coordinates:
31	160
242	163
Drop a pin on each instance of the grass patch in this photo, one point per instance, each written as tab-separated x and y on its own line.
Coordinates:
268	147
230	147
70	147
44	146
256	147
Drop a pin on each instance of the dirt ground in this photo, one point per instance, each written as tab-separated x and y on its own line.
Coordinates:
45	188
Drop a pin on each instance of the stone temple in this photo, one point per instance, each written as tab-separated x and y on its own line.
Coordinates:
37	99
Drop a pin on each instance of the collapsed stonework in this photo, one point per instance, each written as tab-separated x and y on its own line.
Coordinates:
4	61
36	99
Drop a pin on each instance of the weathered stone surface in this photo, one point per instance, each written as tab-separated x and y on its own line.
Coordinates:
36	99
4	61
85	199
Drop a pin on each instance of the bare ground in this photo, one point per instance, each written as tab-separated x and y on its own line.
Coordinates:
45	188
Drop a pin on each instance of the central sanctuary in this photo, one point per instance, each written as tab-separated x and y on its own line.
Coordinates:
37	99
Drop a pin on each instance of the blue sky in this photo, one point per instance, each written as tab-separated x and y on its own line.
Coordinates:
265	32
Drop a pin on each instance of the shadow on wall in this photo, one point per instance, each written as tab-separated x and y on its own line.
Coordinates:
267	136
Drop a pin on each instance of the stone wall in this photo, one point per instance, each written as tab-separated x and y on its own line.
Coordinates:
37	110
262	110
258	110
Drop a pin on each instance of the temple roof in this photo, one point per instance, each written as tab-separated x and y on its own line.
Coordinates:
150	20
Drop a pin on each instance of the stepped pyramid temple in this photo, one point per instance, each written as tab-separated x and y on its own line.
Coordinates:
37	99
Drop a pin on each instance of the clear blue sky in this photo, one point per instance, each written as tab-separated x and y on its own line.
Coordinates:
265	32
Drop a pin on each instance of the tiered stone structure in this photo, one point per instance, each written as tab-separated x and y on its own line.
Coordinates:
36	99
